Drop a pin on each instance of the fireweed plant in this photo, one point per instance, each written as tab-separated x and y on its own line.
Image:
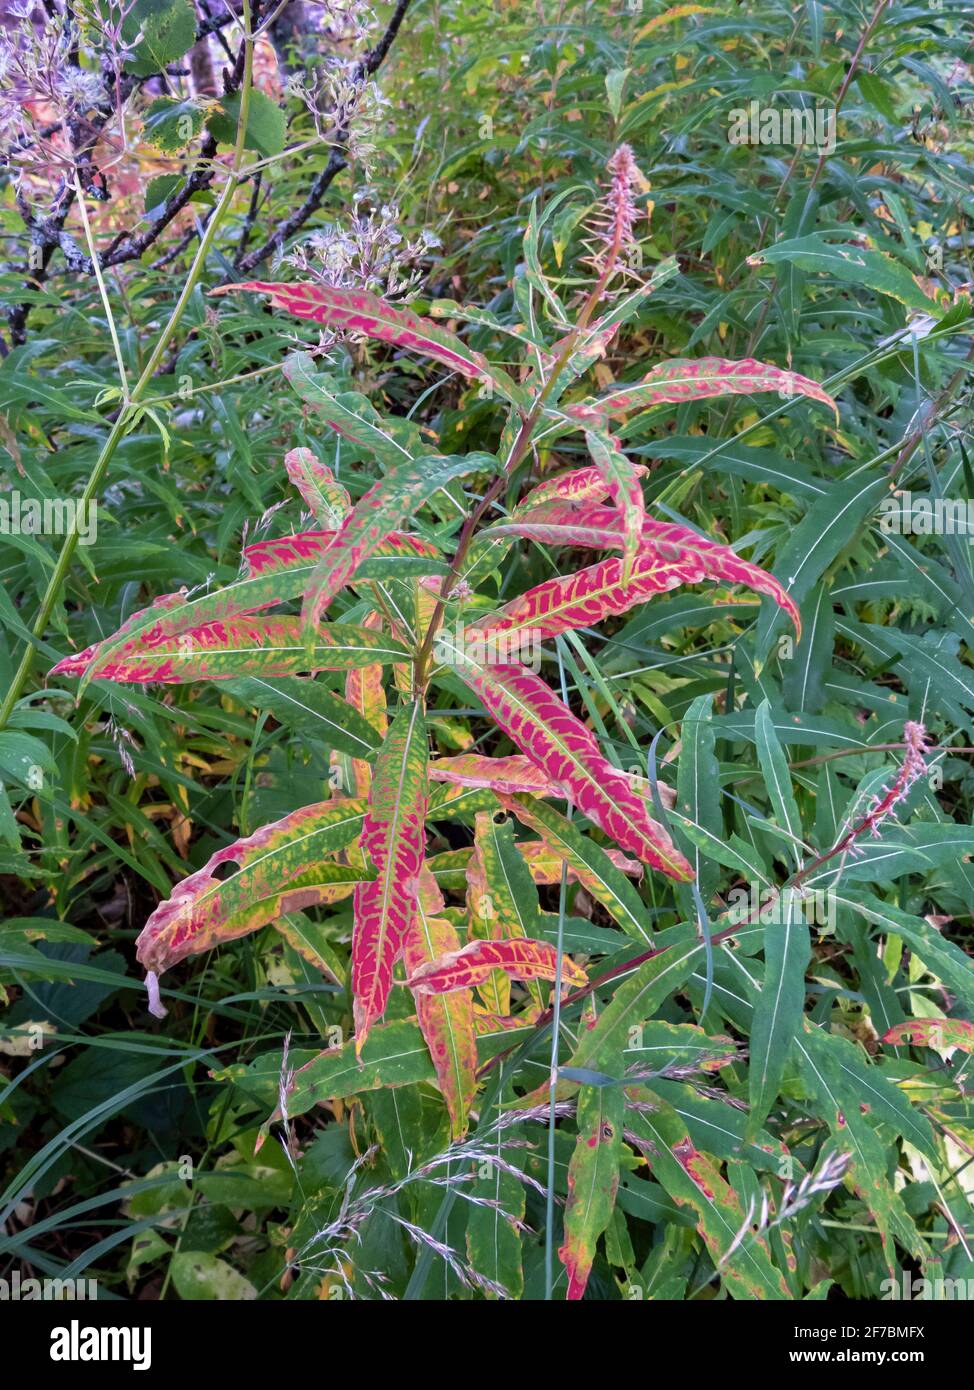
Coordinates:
453	1006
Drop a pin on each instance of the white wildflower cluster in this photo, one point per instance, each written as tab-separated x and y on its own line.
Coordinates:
58	73
368	252
345	104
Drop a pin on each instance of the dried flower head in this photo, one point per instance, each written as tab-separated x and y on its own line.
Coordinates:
369	252
614	244
883	804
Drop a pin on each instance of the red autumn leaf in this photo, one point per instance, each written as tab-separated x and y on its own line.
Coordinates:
519	957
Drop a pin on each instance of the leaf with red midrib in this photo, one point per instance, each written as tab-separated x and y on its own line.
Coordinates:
545	729
622	480
393	839
223	650
689	379
447	1022
580	485
585	597
359	311
272	571
520	957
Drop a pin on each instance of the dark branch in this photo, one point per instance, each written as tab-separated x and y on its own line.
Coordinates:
337	160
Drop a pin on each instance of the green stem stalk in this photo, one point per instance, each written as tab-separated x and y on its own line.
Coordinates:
129	411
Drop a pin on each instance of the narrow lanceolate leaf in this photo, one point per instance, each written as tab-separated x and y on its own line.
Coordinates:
546	730
494	1222
586	597
941	1034
393	836
382	510
358	311
509	887
705	377
312	710
692	1178
511	774
778	1011
239	647
636	1000
277	869
600	872
777	777
325	498
593	1177
622	480
521	959
580	485
365	693
494	989
292	559
272	571
848	1112
698	786
447	1021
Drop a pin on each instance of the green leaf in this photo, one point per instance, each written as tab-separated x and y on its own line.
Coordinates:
777	778
830	525
168	30
698	786
170	124
779	1007
691	1177
266	123
198	1275
851	264
309	707
593	1175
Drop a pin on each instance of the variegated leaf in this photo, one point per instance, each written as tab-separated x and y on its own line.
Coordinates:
242	646
521	958
580	485
395	497
272	572
393	837
546	730
365	692
593	1177
358	311
941	1034
706	377
586	597
446	1020
325	498
600	872
510	774
278	869
692	1178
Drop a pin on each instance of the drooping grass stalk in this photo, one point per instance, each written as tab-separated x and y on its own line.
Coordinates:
129	410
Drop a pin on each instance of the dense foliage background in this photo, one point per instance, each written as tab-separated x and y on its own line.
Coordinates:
127	1147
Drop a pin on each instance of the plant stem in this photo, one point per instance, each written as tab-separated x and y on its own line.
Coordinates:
129	412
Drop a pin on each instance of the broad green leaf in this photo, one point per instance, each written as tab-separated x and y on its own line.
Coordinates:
266	123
